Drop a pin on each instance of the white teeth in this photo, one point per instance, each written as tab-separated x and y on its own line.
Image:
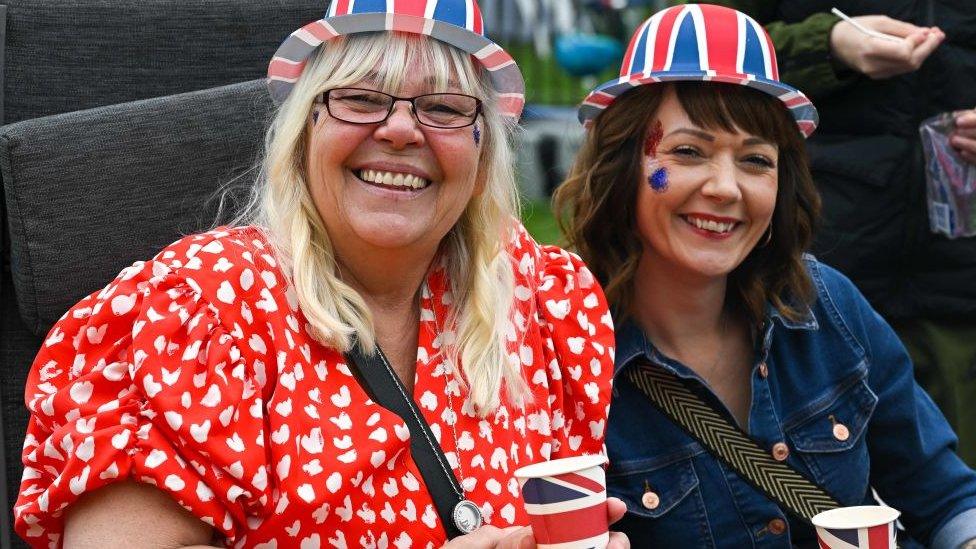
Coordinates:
391	179
710	225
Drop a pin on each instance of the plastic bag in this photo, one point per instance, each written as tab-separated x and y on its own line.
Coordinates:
951	181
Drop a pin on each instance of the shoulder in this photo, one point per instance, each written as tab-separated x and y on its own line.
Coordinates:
218	250
833	288
839	301
226	266
566	294
541	265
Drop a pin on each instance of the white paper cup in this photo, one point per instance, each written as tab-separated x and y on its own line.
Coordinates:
851	527
566	500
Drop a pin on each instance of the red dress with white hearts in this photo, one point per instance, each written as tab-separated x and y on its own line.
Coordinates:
194	372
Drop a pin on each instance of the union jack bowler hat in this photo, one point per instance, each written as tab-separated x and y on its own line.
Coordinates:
701	42
455	22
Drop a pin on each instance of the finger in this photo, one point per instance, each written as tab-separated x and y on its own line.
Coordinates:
963	144
965	119
923	50
968	131
616	509
618	540
517	538
891	51
894	27
486	537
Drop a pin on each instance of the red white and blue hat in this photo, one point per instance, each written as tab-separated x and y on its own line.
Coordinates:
701	42
456	22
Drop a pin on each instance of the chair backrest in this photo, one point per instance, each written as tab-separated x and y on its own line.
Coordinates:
68	55
90	192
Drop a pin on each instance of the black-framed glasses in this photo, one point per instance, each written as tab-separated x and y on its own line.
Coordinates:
437	110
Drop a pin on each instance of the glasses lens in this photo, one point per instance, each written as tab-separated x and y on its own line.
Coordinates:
446	110
359	106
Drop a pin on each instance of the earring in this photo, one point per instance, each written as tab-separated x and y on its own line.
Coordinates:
769	237
315	117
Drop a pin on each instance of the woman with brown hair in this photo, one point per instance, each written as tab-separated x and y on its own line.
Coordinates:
739	358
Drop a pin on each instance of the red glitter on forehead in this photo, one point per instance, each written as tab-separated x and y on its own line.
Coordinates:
653	139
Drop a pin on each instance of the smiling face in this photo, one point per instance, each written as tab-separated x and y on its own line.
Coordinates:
706	195
395	185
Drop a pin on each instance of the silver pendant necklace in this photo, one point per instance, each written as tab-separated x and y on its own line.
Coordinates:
466	515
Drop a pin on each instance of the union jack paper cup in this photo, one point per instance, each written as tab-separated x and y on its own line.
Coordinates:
566	500
864	527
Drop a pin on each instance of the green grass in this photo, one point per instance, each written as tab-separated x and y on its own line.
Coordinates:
540	222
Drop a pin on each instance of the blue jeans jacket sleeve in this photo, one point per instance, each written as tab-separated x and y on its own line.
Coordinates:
914	466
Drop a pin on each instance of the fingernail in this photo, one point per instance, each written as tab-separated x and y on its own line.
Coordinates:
527	542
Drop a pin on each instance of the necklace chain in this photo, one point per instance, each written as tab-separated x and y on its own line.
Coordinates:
457	416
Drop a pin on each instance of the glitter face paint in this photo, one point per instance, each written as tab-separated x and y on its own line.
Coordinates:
658	180
654	139
476	132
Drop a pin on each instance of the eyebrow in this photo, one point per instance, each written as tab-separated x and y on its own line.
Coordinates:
374	79
709	137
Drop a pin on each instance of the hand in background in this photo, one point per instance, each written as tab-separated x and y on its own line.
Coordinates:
489	537
964	138
878	58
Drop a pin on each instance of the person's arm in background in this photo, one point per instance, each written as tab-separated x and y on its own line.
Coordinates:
822	54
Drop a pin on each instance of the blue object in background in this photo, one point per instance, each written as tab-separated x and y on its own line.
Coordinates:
587	54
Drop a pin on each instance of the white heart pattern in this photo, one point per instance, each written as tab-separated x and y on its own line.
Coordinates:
207	382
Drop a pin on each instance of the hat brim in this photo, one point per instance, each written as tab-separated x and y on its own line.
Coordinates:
291	57
800	107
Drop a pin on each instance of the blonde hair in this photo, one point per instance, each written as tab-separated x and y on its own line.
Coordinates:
477	262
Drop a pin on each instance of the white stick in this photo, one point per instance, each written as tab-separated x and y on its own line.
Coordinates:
862	28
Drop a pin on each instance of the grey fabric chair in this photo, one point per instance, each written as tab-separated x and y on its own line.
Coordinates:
59	56
68	55
90	192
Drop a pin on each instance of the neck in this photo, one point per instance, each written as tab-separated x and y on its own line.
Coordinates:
678	310
388	280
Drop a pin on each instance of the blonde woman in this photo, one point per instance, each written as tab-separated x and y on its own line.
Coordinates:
203	396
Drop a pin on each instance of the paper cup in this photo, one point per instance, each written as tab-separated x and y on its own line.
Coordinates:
855	527
566	500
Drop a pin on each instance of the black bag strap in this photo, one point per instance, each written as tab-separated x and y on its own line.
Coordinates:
378	378
672	395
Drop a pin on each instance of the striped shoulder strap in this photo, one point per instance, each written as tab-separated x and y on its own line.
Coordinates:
726	441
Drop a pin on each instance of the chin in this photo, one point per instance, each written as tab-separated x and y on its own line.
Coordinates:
711	268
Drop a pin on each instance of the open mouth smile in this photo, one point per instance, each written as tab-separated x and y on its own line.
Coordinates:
392	180
711	226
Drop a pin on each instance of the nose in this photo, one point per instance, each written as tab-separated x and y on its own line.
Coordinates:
723	185
401	128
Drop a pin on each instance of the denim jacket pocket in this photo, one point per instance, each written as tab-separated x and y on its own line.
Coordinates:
831	442
663	499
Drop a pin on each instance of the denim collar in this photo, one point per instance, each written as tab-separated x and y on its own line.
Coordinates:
632	342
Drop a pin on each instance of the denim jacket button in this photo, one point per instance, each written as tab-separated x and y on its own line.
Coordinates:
781	451
776	526
650	500
763	370
841	432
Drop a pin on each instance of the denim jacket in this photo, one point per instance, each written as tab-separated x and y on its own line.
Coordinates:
841	365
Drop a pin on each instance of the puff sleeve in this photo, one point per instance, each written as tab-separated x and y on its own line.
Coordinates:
142	380
578	351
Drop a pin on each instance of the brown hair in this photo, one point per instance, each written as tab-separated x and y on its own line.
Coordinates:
596	205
